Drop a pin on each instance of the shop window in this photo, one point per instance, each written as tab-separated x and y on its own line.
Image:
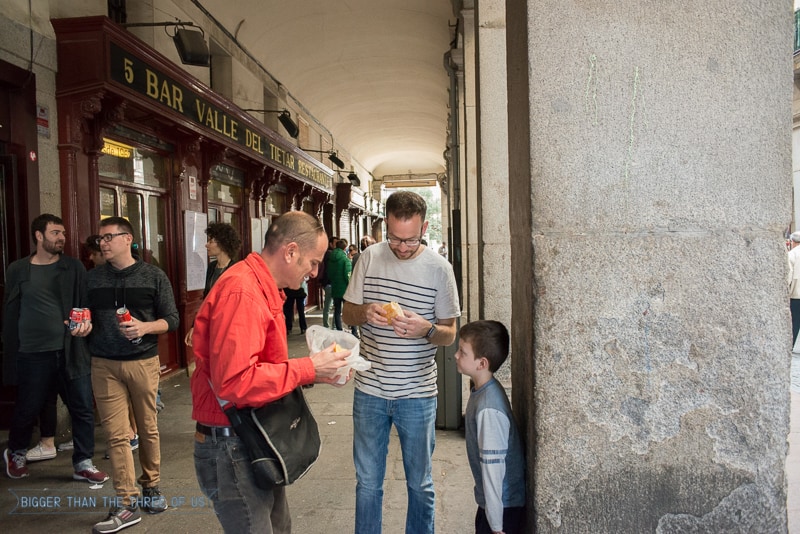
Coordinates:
225	194
129	164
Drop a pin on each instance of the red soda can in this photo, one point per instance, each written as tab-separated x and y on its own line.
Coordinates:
123	316
87	315
75	318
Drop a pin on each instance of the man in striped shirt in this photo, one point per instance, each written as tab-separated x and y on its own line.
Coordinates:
400	386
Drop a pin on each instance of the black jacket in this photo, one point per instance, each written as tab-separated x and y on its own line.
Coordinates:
72	281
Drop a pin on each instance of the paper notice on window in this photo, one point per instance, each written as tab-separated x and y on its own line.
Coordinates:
195	225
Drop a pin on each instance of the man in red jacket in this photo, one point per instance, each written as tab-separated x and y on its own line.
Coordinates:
241	352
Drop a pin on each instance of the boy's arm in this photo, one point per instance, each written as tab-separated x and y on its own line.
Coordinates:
493	431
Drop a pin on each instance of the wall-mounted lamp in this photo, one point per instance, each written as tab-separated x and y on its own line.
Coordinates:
191	44
285	118
353	177
331	156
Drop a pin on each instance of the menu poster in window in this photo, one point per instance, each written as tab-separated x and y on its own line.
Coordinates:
195	225
258	228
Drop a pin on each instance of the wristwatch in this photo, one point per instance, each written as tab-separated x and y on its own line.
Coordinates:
431	332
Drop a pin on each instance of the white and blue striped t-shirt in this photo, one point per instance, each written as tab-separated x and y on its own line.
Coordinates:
401	368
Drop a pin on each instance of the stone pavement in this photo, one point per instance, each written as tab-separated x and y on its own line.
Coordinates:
49	501
321	502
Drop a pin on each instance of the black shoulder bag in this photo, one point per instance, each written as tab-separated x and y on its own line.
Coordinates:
281	438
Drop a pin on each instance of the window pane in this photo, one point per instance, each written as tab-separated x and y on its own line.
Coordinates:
133	210
157	228
108	204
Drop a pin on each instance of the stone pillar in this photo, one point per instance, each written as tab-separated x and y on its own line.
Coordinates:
494	238
470	200
650	178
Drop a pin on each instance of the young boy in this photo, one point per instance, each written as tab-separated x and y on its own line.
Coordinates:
494	447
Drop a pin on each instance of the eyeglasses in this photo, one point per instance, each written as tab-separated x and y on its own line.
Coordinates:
414	242
108	237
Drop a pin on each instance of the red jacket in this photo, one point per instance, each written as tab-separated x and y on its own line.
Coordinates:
239	342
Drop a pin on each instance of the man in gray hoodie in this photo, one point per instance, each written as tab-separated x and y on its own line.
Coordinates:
126	366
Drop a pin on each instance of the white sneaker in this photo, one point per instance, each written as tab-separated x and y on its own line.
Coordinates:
66	446
40	452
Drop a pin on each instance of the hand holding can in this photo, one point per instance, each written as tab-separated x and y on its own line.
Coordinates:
124	316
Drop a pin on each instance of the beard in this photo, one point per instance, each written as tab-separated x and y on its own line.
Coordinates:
53	247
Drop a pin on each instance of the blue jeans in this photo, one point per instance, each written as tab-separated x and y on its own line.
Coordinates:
223	472
326	305
39	376
415	421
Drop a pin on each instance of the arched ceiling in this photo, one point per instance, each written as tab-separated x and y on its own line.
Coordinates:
371	71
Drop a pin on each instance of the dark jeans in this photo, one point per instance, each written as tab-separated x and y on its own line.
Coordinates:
39	375
337	313
513	521
223	472
288	312
794	308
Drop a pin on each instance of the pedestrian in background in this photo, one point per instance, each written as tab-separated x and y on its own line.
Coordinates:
794	284
325	282
295	299
126	366
41	354
223	245
338	268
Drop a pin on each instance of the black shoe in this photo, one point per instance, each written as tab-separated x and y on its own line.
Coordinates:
152	501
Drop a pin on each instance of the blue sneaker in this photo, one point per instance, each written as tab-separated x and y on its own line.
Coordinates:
135	442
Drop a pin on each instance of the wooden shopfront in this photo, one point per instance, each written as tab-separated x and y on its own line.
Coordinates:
142	139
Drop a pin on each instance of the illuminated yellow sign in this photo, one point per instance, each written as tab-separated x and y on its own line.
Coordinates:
118	150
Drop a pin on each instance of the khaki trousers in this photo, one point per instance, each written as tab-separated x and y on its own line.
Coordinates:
115	385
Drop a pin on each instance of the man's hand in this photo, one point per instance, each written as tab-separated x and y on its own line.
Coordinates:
327	363
82	330
133	329
411	325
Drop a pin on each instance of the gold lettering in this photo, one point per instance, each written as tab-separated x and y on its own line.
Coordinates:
234	130
128	67
177	98
201	110
211	117
152	84
165	94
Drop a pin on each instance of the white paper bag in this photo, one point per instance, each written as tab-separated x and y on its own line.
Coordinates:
318	338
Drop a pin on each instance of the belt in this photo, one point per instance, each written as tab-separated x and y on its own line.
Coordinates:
217	431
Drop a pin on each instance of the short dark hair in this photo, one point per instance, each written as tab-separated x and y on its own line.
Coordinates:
120	222
294	226
342	244
39	224
91	243
405	204
226	237
489	339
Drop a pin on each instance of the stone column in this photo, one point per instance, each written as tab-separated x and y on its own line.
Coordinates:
492	122
470	200
650	170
